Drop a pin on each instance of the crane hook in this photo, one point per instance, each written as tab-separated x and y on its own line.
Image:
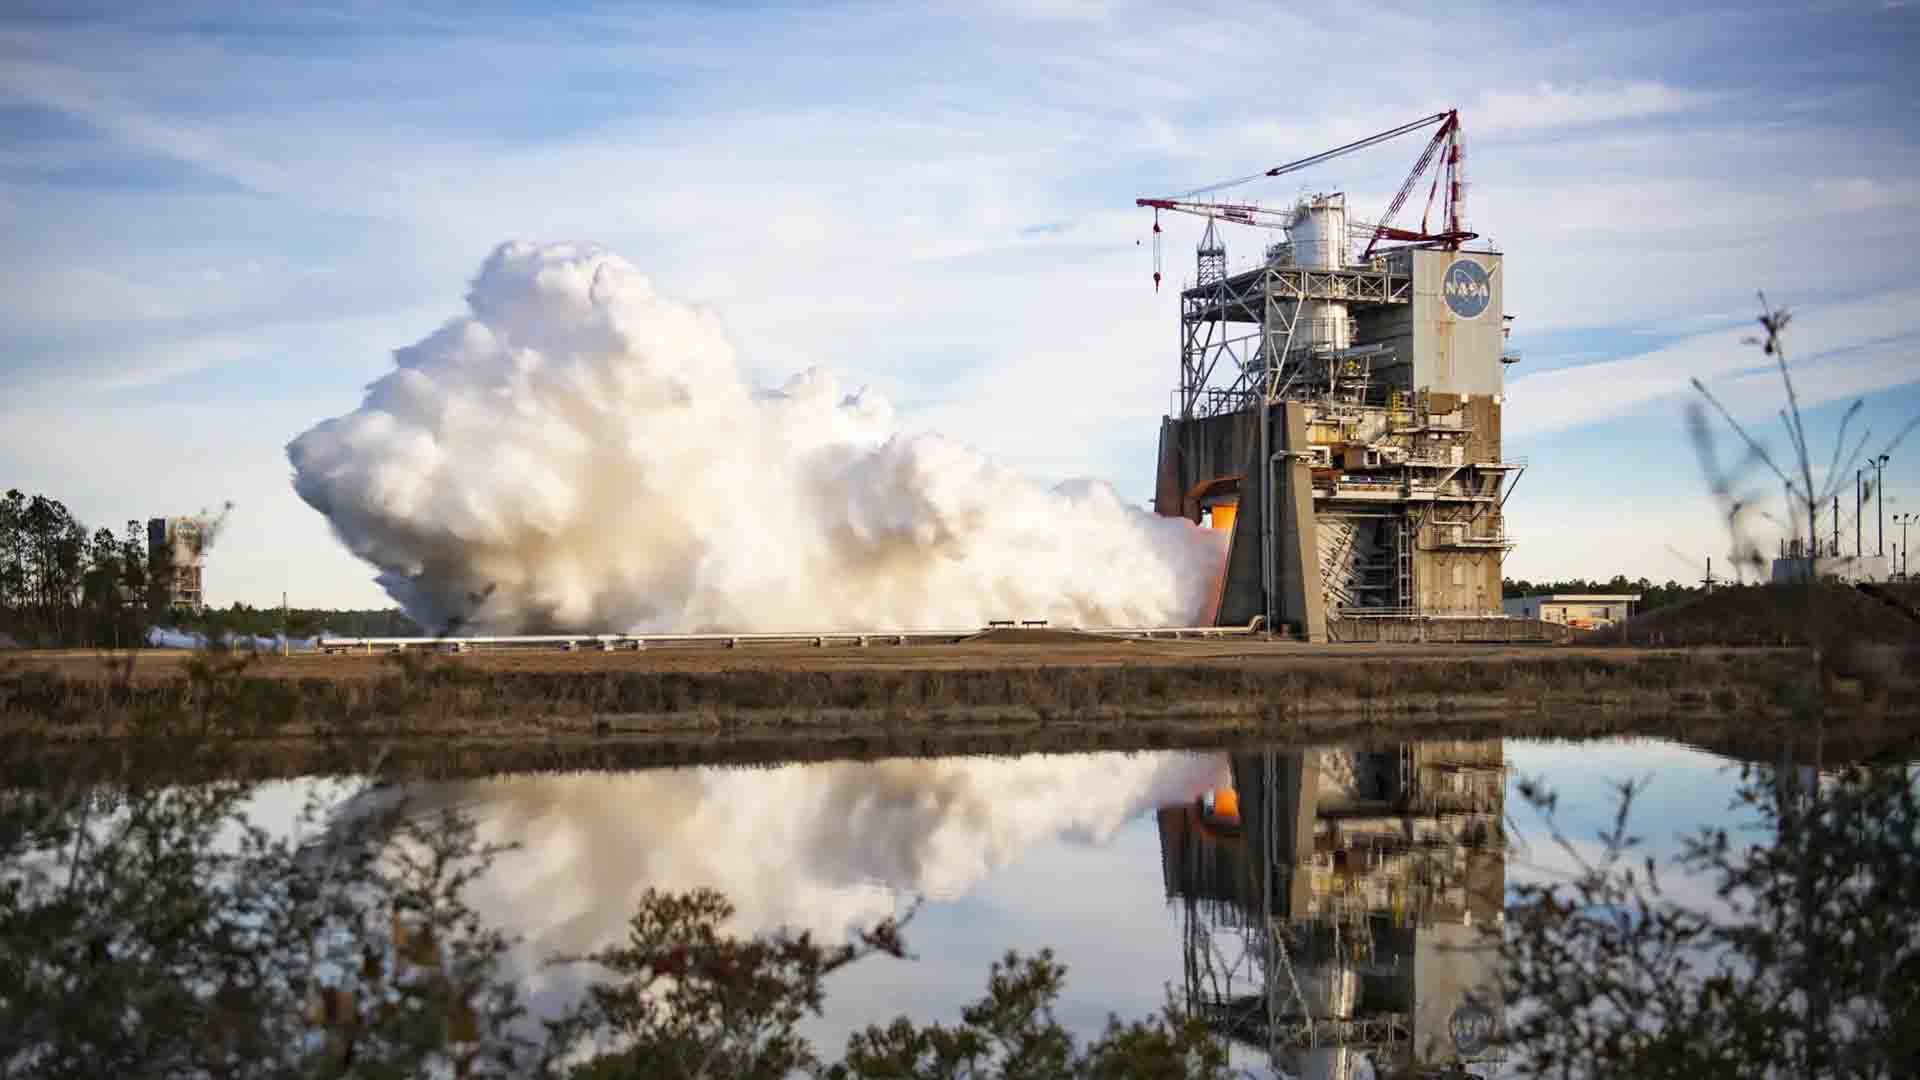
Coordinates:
1156	249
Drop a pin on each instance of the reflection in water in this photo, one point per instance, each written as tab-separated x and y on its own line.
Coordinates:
1334	904
819	847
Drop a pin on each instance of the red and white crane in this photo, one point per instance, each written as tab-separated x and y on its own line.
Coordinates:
1453	202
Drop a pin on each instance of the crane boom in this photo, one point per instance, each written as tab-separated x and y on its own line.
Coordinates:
1449	130
1452	233
1239	213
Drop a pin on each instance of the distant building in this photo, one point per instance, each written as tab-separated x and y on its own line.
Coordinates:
1851	569
1583	611
176	551
1827	564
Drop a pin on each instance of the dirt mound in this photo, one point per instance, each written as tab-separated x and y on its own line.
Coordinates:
1770	615
1904	595
1009	635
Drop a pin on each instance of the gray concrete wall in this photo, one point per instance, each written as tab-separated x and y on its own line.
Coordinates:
1299	601
1200	449
1482	631
1390	325
1242	594
1283	887
1455	582
1302	599
1167	492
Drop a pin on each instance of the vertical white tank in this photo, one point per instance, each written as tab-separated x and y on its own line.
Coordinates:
1319	232
1319	240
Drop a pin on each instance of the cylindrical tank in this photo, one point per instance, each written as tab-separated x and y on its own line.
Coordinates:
1323	325
1319	232
1319	242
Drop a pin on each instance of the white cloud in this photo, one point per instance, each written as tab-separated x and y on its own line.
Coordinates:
1547	106
1843	350
851	189
80	368
63	297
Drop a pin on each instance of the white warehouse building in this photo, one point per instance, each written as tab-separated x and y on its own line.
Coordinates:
1582	611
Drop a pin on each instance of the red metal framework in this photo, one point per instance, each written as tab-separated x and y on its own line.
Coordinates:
1453	232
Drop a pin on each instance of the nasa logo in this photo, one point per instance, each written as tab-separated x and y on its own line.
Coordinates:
1467	288
1471	1027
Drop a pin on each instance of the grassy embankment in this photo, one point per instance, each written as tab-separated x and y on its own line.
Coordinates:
451	716
1841	616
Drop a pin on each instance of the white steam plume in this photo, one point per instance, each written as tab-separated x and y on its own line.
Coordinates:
590	451
825	848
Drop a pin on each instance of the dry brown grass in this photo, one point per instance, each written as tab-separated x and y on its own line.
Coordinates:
552	694
196	718
767	741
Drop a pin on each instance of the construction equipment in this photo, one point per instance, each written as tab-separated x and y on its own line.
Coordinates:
1452	233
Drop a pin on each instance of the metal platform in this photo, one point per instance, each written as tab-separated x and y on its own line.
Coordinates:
1243	297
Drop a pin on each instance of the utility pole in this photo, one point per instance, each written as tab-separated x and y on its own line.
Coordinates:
284	644
1904	554
1856	512
1836	526
1880	496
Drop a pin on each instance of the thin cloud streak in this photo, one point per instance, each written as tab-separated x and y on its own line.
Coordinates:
1874	341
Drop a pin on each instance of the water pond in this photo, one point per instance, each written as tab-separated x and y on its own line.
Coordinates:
1329	910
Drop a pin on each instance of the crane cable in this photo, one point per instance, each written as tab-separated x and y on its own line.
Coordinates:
1315	159
1294	166
1156	249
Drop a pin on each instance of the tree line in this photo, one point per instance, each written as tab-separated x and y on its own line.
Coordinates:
64	584
238	620
1652	597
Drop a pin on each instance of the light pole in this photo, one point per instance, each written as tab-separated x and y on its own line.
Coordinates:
1880	498
1906	556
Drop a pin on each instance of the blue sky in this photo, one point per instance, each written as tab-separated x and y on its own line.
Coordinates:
221	219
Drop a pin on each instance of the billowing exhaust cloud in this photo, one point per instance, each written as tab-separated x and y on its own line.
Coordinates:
825	848
589	451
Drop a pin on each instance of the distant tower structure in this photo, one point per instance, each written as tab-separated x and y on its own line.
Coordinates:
1211	257
176	552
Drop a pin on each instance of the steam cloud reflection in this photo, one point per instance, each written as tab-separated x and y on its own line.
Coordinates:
819	847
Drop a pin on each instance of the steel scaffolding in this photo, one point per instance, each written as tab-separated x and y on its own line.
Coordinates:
1268	298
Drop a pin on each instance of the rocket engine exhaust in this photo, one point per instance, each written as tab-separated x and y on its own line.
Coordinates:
587	454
